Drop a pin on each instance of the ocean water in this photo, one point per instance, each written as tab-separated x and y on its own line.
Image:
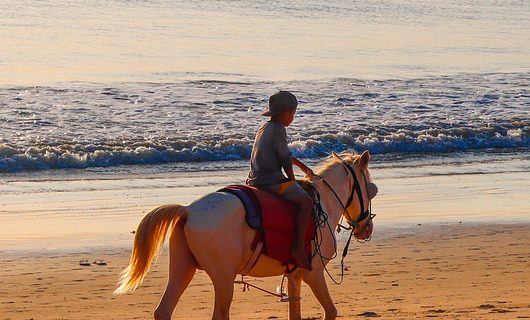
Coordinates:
85	125
103	41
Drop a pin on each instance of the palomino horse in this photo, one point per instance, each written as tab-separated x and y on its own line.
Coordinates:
211	234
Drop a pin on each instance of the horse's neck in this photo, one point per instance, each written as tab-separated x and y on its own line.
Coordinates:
339	184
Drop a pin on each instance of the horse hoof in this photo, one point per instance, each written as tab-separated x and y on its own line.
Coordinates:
161	315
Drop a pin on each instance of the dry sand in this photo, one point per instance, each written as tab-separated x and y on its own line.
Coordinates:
451	271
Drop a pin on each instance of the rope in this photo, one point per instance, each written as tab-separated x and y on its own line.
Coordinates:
322	223
282	295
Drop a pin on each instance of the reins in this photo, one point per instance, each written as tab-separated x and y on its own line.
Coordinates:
355	188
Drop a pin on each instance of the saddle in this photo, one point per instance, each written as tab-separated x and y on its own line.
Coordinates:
274	220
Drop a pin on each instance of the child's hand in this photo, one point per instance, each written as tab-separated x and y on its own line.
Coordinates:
305	169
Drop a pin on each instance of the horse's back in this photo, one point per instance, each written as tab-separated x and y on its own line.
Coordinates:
212	209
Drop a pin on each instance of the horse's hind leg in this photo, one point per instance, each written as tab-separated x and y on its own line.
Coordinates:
182	267
223	284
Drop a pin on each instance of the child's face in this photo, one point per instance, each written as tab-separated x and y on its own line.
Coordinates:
287	117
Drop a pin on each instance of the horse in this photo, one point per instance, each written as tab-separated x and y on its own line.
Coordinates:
211	234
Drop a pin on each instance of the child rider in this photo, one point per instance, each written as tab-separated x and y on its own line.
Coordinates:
270	154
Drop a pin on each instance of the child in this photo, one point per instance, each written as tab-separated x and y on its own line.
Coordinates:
270	154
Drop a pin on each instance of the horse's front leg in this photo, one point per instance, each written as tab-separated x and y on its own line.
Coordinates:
294	284
317	282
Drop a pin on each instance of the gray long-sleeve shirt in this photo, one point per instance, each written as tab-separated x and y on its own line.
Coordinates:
270	153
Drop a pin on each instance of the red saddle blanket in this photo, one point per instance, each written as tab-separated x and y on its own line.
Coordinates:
277	222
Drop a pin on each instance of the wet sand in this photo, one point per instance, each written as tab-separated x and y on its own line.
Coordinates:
39	210
449	271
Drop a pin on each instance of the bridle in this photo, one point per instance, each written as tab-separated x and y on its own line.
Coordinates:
355	188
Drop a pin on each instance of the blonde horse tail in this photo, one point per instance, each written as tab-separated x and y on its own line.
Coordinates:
148	242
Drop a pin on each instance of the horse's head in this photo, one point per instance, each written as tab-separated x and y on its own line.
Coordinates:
359	188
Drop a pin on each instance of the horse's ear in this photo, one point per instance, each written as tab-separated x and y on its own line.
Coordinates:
365	158
335	156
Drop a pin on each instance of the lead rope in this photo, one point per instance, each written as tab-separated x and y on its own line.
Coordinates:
344	253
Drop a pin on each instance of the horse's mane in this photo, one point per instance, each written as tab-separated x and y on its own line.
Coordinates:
331	161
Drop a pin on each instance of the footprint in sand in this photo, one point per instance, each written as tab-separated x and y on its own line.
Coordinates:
369	314
437	311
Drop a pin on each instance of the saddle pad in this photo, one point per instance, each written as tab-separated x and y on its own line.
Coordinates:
277	222
250	202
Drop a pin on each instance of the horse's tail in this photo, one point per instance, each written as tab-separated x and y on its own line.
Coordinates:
148	242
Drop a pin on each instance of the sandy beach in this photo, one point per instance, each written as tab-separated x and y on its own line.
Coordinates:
440	250
447	271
